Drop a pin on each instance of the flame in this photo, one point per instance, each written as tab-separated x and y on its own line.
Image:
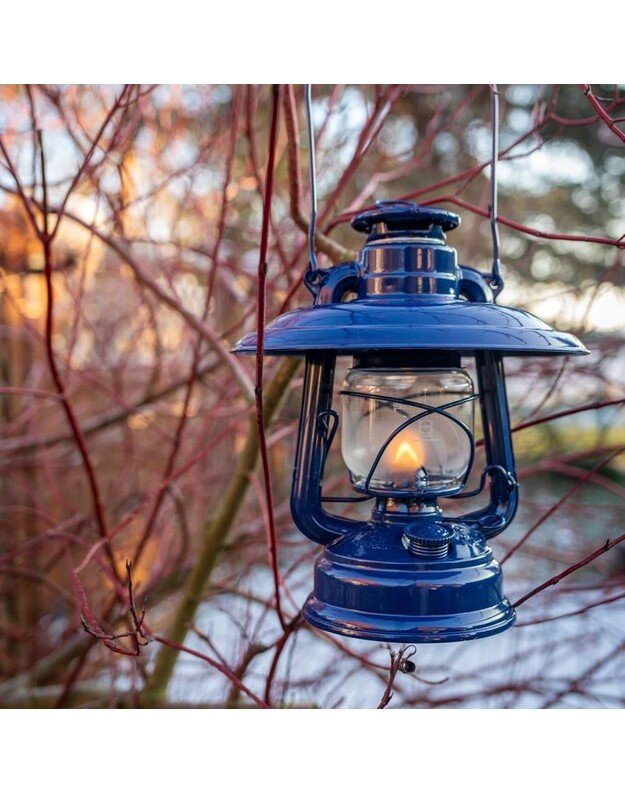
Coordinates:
407	456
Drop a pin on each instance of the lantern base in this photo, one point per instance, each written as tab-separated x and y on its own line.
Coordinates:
368	586
404	628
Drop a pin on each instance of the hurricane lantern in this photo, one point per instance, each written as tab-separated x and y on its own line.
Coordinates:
407	314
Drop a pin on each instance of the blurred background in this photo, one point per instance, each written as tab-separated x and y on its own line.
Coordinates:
130	221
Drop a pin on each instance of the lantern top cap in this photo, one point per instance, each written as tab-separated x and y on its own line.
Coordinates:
404	216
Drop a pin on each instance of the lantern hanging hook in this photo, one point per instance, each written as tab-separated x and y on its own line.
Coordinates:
496	280
311	278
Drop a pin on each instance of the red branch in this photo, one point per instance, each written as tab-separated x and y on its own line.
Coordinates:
213	663
140	635
567	412
573	613
609	544
483	212
608	120
46	238
260	341
578	484
280	646
197	346
559	415
520	227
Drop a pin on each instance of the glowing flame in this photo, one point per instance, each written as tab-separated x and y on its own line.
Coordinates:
407	456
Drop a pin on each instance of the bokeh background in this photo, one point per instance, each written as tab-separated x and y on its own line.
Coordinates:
130	220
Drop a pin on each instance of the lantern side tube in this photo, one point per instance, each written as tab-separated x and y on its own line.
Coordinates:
312	442
503	501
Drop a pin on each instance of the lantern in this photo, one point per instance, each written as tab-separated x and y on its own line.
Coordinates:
407	314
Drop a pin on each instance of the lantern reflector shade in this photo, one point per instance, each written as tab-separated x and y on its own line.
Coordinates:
388	597
402	324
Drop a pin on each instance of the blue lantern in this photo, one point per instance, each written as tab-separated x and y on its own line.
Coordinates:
407	314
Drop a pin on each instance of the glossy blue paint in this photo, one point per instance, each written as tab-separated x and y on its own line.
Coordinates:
409	573
408	324
367	586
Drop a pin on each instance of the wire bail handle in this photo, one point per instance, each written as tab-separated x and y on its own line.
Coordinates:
496	279
311	277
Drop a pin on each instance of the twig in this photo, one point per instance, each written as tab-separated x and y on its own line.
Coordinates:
609	121
400	662
609	544
45	239
578	484
573	613
178	647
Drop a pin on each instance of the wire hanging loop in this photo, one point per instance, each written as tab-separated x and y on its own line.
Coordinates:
496	280
311	277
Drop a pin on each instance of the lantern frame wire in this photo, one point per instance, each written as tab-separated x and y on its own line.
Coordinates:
458	492
486	471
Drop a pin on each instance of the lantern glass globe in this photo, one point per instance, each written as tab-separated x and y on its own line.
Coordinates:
423	457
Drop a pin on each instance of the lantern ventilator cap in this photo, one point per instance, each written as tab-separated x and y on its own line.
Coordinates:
404	216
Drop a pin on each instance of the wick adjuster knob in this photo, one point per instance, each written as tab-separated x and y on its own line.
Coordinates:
427	539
